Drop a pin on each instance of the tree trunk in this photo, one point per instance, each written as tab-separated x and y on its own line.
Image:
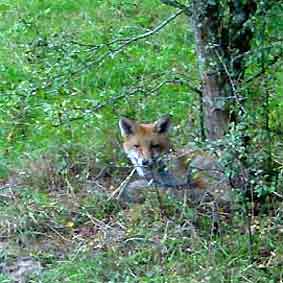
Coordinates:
217	42
205	26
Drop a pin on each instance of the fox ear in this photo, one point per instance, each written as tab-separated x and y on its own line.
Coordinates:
127	127
162	125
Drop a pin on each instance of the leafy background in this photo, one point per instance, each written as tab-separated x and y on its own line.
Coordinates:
59	113
50	78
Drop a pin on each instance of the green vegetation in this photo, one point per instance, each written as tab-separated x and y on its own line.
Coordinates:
47	82
60	105
85	239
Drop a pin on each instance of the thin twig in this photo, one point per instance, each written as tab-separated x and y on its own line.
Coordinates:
112	52
122	186
278	195
104	226
116	98
176	4
58	233
233	86
101	173
147	34
10	186
276	44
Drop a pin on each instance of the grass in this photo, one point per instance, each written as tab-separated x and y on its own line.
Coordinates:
40	47
54	145
82	237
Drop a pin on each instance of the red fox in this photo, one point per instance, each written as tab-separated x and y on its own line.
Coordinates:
148	147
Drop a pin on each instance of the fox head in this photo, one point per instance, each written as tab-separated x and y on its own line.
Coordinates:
145	143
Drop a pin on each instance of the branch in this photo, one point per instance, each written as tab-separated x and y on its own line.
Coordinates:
153	86
186	81
112	51
277	43
119	191
149	33
10	186
115	99
232	83
178	5
125	42
132	92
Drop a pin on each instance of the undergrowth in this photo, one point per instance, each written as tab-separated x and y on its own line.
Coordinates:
86	236
61	158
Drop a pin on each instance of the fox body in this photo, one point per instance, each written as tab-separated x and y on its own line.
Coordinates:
148	147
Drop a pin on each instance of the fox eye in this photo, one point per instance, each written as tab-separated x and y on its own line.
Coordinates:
136	145
156	146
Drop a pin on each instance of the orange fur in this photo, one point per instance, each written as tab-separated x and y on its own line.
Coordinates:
146	143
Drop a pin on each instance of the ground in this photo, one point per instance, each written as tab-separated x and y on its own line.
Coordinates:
81	233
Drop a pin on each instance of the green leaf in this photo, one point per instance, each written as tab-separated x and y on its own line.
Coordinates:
4	8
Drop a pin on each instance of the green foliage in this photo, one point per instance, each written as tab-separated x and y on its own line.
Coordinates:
52	84
60	107
3	278
247	161
165	250
99	207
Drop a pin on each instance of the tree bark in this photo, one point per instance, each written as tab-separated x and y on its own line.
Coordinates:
217	43
205	26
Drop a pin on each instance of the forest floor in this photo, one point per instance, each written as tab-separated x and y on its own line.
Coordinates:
76	231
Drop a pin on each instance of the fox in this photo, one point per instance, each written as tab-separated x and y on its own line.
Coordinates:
148	147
